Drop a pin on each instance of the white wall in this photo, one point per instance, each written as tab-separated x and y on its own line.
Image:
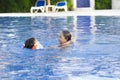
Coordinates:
115	4
92	4
74	4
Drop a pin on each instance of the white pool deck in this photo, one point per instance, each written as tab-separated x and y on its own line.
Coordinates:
69	13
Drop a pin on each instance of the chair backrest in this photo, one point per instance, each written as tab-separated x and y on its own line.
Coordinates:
40	3
63	3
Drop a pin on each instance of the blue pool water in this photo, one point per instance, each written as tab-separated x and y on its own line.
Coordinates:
94	56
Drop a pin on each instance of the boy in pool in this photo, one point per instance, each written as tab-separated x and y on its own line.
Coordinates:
33	43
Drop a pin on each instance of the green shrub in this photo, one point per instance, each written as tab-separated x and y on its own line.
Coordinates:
102	4
15	5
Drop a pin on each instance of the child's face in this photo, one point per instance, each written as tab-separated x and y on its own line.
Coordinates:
36	44
61	38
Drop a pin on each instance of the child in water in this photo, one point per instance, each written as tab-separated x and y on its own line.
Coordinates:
33	43
64	38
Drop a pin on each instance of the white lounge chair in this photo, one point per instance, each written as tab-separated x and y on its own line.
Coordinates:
39	6
61	5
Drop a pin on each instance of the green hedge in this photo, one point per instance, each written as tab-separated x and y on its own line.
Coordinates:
15	5
102	4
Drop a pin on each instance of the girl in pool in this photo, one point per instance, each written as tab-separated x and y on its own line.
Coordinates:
64	38
33	43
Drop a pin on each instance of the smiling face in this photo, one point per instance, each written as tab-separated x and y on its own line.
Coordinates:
62	39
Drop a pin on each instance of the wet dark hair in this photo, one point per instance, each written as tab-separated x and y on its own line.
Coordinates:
29	43
67	35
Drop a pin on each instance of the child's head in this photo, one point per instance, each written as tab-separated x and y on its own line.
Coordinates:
64	36
31	43
67	35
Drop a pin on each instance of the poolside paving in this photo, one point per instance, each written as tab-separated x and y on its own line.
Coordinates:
69	13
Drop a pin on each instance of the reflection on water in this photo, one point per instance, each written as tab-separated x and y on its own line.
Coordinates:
94	55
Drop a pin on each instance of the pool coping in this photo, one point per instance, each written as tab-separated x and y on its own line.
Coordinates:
69	13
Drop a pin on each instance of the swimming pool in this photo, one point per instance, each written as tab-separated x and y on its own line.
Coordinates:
94	56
